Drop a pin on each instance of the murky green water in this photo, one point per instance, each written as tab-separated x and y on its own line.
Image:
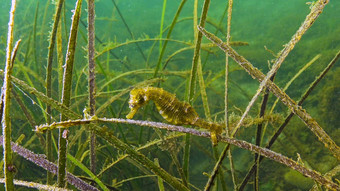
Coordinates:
128	47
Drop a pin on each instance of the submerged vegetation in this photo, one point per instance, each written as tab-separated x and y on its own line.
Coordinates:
68	80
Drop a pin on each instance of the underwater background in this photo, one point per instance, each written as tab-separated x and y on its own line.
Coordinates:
129	46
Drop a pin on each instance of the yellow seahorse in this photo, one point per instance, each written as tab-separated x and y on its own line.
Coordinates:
171	109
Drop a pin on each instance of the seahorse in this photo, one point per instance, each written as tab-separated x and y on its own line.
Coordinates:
171	109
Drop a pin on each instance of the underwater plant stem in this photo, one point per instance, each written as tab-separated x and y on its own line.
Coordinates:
310	19
218	29
330	174
283	125
160	181
66	91
87	171
49	166
128	28
258	135
226	119
200	72
320	77
226	149
293	78
203	92
60	58
102	131
153	142
173	23
54	104
221	175
42	37
226	95
34	49
9	168
27	114
110	138
115	46
192	83
50	52
140	158
91	80
161	25
216	169
285	99
186	156
195	19
110	51
178	166
49	154
193	74
52	40
114	141
35	185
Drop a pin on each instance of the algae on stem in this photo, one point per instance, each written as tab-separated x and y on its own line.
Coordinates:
9	168
285	99
66	91
49	82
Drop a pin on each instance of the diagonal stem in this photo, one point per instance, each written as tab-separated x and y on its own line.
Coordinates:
310	19
108	136
278	132
291	104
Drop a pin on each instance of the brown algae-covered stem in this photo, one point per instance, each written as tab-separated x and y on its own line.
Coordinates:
114	141
193	74
108	136
192	82
316	10
9	169
52	40
142	147
310	19
226	149
41	161
66	91
91	79
318	79
291	104
278	132
51	51
98	130
91	52
226	97
117	143
199	70
55	104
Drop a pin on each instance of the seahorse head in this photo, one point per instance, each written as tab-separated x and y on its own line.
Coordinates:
138	98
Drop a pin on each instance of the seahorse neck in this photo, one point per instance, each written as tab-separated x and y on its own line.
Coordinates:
152	93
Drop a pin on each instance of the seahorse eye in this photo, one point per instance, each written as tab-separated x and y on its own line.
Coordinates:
140	100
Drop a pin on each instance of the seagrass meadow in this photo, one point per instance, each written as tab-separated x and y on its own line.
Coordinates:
170	95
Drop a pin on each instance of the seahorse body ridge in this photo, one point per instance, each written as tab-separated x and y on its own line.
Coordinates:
171	109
